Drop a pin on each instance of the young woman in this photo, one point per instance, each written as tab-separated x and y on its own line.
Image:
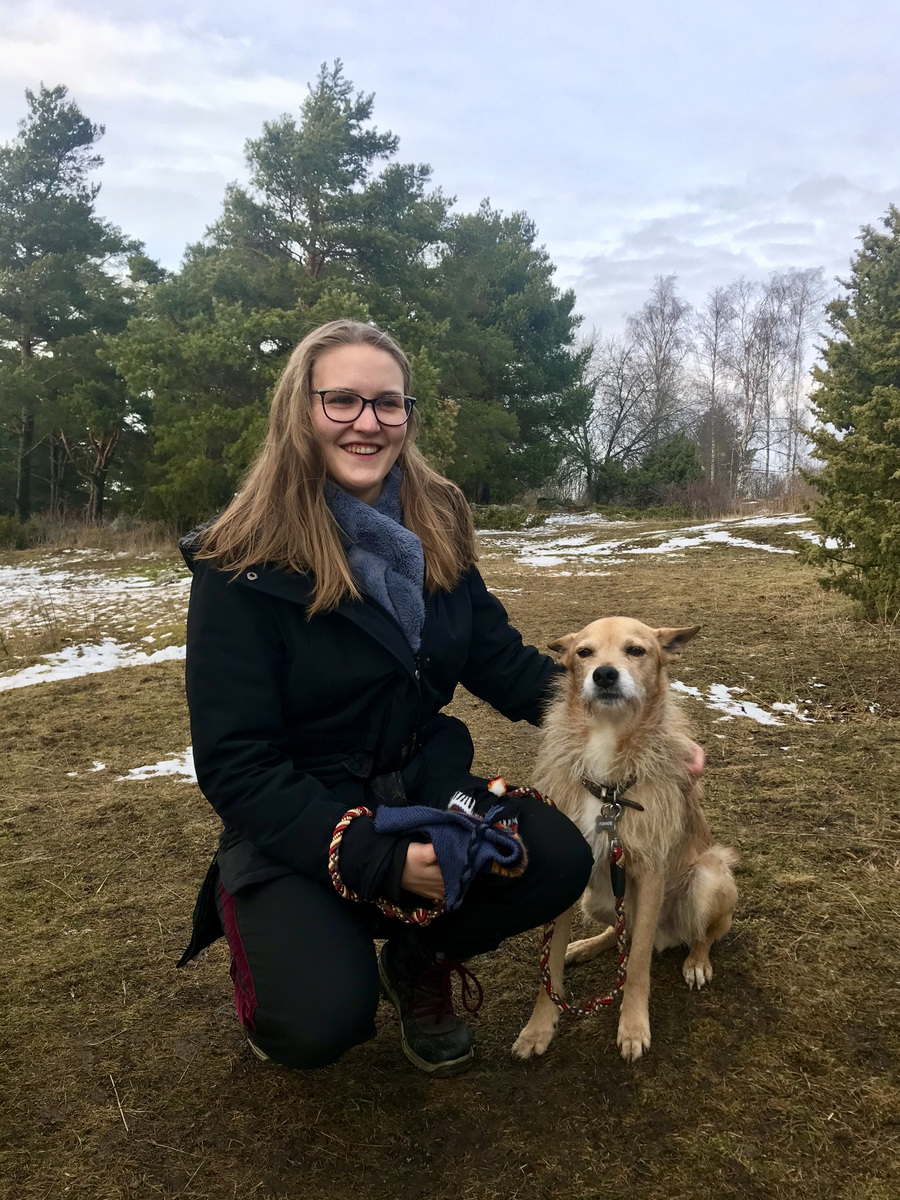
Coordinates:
334	608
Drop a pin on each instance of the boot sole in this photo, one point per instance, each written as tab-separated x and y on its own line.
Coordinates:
444	1070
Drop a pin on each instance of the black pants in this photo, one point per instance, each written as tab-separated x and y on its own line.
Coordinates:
304	965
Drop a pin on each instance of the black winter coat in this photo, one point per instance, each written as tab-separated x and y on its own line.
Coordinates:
296	720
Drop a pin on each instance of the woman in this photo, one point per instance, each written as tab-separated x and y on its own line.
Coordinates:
334	608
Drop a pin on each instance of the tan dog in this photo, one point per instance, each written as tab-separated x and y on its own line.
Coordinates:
614	720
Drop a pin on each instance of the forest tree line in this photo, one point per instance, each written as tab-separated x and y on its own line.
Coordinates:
126	387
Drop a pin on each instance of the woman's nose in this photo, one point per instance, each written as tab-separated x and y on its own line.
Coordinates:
367	422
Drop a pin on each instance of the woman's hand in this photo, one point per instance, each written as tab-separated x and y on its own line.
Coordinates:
422	874
697	761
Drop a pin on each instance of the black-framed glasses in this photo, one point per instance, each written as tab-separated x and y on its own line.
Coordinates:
391	408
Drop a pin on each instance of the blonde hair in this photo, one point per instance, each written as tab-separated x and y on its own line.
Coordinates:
280	516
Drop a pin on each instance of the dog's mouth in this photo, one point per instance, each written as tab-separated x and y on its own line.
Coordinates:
612	698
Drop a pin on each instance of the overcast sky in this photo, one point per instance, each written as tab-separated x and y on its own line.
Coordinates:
709	139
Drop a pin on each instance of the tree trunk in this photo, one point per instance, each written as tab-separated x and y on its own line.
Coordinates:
57	473
97	485
26	437
23	473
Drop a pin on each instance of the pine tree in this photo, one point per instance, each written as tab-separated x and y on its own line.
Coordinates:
857	435
54	258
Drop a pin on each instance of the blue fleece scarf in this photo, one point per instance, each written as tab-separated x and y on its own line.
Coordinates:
386	559
466	842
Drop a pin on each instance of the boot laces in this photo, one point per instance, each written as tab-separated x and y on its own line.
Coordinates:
433	990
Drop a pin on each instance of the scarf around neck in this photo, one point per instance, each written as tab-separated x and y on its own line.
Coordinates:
386	559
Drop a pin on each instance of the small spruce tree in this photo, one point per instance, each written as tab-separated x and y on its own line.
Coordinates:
857	431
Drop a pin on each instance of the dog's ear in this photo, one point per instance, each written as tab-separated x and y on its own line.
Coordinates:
673	640
561	645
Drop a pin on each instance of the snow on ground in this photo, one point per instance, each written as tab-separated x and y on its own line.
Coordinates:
179	765
61	590
543	547
727	700
87	659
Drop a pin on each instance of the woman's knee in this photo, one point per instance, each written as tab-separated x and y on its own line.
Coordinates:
308	1040
560	853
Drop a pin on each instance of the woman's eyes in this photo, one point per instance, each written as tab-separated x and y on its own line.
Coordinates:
389	403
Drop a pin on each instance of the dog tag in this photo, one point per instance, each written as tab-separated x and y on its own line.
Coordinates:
606	825
608	819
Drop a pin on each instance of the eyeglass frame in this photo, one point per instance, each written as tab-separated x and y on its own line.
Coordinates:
409	401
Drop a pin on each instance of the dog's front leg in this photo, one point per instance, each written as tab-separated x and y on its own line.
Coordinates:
538	1033
634	1020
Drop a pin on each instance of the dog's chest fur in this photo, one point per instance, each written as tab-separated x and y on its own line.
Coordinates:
647	836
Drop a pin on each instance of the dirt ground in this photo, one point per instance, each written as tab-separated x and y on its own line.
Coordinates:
124	1079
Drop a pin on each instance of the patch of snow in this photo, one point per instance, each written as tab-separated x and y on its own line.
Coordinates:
727	700
87	659
810	535
180	765
60	590
785	519
794	711
540	560
535	549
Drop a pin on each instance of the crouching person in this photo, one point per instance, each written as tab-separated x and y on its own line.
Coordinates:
335	605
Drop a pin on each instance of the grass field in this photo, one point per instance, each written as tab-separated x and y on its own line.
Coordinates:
122	1078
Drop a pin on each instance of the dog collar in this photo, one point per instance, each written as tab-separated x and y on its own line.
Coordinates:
611	793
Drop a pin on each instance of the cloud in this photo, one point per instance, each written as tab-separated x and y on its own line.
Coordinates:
177	103
711	236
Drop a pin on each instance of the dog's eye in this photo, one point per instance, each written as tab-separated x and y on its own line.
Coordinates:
584	652
636	651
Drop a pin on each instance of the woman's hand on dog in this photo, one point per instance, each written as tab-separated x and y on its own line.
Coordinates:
697	761
422	874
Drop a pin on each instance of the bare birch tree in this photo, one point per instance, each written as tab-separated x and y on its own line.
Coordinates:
660	337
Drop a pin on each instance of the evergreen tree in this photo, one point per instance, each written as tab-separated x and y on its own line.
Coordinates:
321	233
673	463
55	253
857	434
507	346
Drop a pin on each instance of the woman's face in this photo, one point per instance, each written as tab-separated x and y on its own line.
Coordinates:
358	455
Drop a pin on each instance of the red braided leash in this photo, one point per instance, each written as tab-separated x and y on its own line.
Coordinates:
601	1001
417	916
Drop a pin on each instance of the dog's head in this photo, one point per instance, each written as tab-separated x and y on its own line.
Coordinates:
617	664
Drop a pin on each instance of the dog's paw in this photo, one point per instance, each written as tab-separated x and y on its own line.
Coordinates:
586	949
633	1038
533	1040
697	971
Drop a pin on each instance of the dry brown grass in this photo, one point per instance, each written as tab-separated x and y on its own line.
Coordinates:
780	1080
125	535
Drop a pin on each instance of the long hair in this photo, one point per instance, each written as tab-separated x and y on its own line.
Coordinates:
280	516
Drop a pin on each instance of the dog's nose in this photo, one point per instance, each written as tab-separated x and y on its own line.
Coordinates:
605	677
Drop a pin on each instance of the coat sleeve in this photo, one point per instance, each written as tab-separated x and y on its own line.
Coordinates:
513	678
234	670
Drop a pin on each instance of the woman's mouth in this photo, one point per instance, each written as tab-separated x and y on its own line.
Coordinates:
360	448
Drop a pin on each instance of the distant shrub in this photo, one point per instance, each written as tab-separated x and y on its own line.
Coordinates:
654	512
505	516
20	535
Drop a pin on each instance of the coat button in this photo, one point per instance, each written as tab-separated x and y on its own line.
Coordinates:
252	575
417	672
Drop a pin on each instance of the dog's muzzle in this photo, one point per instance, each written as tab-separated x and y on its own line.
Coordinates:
607	685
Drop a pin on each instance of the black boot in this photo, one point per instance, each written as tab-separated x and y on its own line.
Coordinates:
419	985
